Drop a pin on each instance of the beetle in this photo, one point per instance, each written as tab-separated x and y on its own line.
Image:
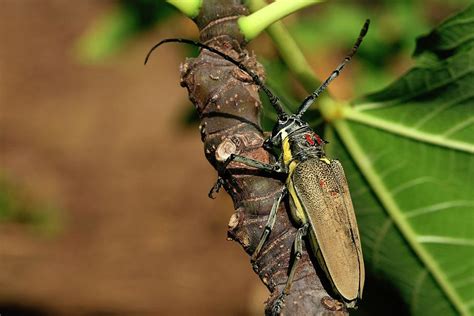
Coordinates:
318	191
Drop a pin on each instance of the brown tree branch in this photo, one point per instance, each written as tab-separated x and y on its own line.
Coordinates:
229	108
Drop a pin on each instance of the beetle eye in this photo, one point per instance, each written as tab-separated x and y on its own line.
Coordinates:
268	144
283	121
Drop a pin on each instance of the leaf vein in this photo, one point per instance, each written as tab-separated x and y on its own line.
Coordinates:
459	127
438	207
408	132
420	279
445	240
382	233
441	109
412	183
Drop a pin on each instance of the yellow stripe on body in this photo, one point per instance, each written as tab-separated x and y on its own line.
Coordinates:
298	213
325	159
287	156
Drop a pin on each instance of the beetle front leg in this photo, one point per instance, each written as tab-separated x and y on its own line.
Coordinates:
216	187
275	168
269	226
298	244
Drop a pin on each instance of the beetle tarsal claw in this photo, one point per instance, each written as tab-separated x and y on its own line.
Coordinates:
278	304
216	187
255	267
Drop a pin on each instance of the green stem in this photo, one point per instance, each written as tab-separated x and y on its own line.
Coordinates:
288	50
189	7
253	24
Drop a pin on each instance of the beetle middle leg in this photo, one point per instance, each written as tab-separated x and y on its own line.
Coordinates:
269	225
272	168
298	247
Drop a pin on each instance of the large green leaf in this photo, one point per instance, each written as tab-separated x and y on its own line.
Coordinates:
408	155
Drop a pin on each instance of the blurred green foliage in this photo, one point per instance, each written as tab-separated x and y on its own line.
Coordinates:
18	207
112	31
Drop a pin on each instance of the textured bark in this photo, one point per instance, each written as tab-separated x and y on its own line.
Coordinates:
229	107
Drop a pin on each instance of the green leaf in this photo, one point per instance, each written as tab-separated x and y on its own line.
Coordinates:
408	155
452	35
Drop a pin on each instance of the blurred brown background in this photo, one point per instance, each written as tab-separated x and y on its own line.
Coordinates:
135	232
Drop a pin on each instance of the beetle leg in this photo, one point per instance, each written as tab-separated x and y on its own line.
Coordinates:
216	187
298	244
272	168
220	182
269	226
298	251
275	168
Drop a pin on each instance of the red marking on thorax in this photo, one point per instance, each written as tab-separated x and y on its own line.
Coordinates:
309	139
318	139
322	183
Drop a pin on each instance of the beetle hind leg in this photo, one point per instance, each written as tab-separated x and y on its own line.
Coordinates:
298	247
269	226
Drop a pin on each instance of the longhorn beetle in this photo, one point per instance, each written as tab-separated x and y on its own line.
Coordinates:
320	201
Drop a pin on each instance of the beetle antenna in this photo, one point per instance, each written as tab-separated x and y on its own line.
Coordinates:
313	96
275	102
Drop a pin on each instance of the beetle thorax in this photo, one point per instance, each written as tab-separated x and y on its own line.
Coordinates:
298	140
305	144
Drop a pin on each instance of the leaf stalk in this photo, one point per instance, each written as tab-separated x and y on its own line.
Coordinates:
254	24
190	8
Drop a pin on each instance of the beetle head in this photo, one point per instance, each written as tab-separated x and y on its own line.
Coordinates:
284	126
